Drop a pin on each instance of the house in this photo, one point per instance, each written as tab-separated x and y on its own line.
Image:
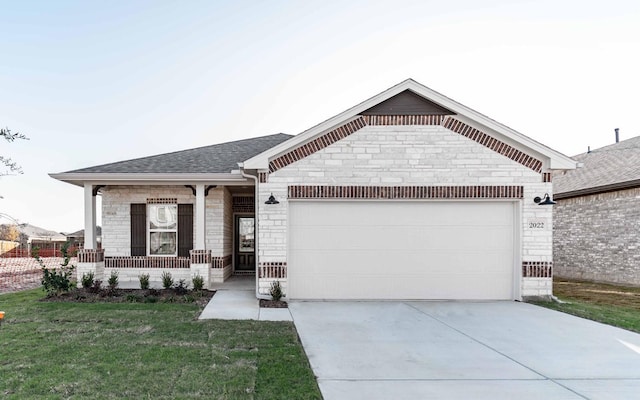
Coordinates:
30	237
407	195
597	218
76	239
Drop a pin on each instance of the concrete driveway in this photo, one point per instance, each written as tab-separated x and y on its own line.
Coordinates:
464	350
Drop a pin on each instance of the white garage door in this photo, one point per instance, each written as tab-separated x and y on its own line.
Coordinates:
401	250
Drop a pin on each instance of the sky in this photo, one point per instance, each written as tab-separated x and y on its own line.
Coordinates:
96	82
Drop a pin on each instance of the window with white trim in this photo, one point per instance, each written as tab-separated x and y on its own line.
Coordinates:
162	229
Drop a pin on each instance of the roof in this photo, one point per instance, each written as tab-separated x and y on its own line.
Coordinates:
209	163
608	168
80	233
217	158
551	159
37	233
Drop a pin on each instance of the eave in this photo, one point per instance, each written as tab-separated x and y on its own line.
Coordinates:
598	189
129	179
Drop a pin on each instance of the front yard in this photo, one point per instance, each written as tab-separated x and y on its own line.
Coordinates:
610	304
132	350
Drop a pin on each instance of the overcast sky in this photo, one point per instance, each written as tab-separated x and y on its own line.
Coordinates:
94	82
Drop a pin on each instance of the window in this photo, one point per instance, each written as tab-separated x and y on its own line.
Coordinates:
163	229
155	229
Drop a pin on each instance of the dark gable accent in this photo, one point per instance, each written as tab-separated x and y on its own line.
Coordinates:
138	230
407	103
185	229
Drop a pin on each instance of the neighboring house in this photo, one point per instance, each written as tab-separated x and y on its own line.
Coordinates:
76	239
408	195
597	218
48	242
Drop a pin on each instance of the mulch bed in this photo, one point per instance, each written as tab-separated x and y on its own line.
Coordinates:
273	304
82	295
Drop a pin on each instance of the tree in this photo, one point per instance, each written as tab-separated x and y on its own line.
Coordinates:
9	232
7	165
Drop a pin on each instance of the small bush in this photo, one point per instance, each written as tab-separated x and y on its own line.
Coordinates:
151	299
167	280
182	287
276	291
57	280
96	286
113	280
189	298
133	298
87	279
198	282
144	281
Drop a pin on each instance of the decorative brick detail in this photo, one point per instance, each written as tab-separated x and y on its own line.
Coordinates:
403	119
90	255
220	262
200	256
405	192
244	204
263	177
147	262
492	143
162	201
272	270
537	269
318	144
546	176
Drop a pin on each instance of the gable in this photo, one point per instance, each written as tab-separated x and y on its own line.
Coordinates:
410	103
407	103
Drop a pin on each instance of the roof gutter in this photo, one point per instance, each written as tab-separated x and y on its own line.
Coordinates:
599	189
80	179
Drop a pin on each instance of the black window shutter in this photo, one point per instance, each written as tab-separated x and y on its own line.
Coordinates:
138	229
185	229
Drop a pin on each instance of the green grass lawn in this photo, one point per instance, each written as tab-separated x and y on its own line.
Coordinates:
144	351
610	304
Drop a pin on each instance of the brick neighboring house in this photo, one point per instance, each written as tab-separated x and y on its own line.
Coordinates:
407	195
597	216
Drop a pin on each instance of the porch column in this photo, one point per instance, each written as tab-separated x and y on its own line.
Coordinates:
89	217
200	218
90	259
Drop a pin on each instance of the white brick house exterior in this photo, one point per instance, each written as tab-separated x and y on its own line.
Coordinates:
407	144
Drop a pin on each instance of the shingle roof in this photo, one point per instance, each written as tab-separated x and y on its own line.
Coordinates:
607	168
217	158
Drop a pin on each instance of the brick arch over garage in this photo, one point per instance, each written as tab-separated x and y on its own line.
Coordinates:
449	122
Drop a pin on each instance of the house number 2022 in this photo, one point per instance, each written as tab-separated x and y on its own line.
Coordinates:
536	225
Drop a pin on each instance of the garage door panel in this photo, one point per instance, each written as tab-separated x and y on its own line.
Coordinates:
401	250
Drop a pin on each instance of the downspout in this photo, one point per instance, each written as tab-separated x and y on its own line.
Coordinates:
255	226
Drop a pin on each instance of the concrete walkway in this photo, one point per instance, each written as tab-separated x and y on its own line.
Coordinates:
464	350
236	299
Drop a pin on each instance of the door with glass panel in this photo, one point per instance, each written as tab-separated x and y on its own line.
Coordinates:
244	257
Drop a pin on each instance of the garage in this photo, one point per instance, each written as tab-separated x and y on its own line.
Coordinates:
402	250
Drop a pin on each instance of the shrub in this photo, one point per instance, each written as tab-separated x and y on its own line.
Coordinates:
144	281
276	291
182	287
167	280
96	287
57	280
113	280
198	282
87	279
133	298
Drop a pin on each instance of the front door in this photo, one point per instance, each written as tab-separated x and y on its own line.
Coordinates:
245	252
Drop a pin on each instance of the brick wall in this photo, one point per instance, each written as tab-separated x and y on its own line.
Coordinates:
406	156
596	237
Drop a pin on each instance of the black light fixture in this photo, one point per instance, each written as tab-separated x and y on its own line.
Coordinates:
546	201
272	200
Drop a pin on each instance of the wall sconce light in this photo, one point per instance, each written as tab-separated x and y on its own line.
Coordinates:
546	201
272	200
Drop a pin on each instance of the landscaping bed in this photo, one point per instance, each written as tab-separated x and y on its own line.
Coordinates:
273	304
610	304
106	295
